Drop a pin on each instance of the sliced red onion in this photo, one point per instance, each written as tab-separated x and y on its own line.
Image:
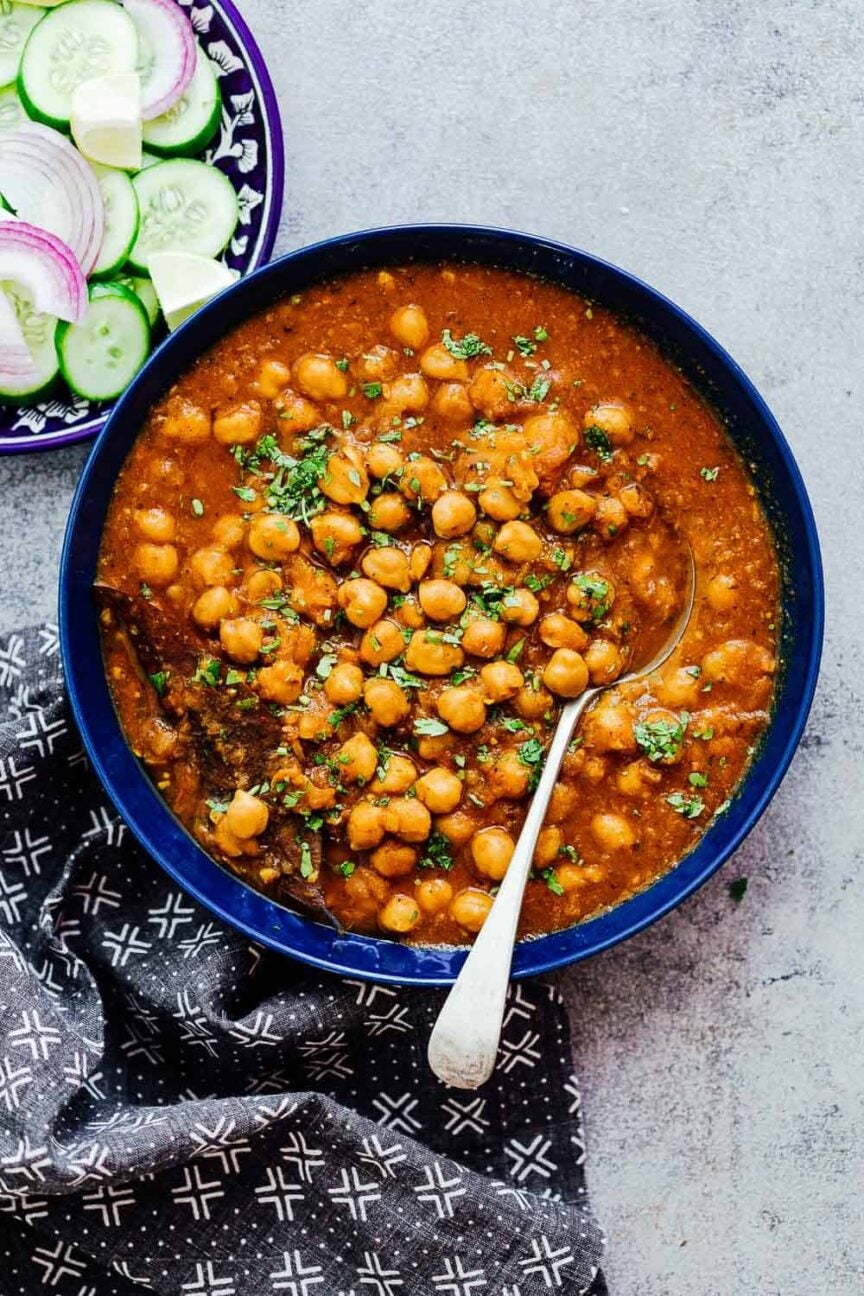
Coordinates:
46	266
169	50
49	184
17	368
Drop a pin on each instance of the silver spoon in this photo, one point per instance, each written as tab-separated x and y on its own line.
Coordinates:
464	1041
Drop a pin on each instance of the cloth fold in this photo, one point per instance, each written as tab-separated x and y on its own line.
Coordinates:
182	1111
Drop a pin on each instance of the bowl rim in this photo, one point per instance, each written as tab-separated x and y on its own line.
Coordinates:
275	137
371	958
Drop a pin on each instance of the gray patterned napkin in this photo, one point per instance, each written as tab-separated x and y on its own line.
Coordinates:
182	1112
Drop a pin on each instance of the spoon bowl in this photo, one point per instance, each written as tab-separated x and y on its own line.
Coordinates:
464	1041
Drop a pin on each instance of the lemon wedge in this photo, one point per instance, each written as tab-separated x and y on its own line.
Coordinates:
184	281
105	118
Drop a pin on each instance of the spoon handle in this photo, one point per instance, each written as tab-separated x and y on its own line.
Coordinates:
464	1040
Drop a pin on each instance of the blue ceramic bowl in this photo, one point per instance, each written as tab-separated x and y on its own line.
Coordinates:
710	369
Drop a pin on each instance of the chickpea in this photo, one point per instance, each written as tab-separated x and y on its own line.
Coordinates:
609	726
508	777
679	687
363	602
247	815
552	438
610	516
409	326
393	859
722	592
462	709
387	566
382	642
439	790
491	851
262	584
603	660
434	894
441	600
230	845
388	512
428	654
383	459
156	524
590	596
614	418
407	394
451	403
312	592
453	514
241	638
410	615
344	684
499	502
570	510
484	637
398	774
345	481
458	828
157	564
238	424
738	661
400	914
211	565
273	537
379	364
186	422
566	673
518	542
501	680
434	747
470	908
548	847
636	500
319	377
283	683
558	631
613	832
520	608
422	480
437	362
273	378
365	828
213	606
408	818
296	413
419	562
357	759
491	392
228	531
635	778
336	535
532	703
387	702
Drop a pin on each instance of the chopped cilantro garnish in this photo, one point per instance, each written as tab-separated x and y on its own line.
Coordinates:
562	559
515	652
531	752
347	867
465	348
539	389
525	346
159	681
207	672
598	441
550	877
596	593
709	474
245	493
429	728
145	591
342	364
705	734
438	854
643	460
216	807
541	334
690	807
697	779
197	508
392	435
371	389
325	665
307	868
660	739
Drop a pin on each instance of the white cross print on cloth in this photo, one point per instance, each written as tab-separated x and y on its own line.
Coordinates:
182	1112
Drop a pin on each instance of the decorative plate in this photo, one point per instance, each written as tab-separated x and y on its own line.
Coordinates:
249	149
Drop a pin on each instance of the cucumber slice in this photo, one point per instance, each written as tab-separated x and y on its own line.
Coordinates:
189	126
16	23
145	292
11	109
121	221
186	206
101	356
80	40
39	333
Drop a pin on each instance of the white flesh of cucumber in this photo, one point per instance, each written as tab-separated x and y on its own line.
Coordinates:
16	23
80	40
100	356
145	292
121	221
11	109
188	127
39	332
186	206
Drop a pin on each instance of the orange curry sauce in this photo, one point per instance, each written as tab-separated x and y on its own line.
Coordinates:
359	553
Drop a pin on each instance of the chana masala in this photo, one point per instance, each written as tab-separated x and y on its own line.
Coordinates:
361	551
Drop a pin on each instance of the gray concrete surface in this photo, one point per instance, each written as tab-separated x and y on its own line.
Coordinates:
716	148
